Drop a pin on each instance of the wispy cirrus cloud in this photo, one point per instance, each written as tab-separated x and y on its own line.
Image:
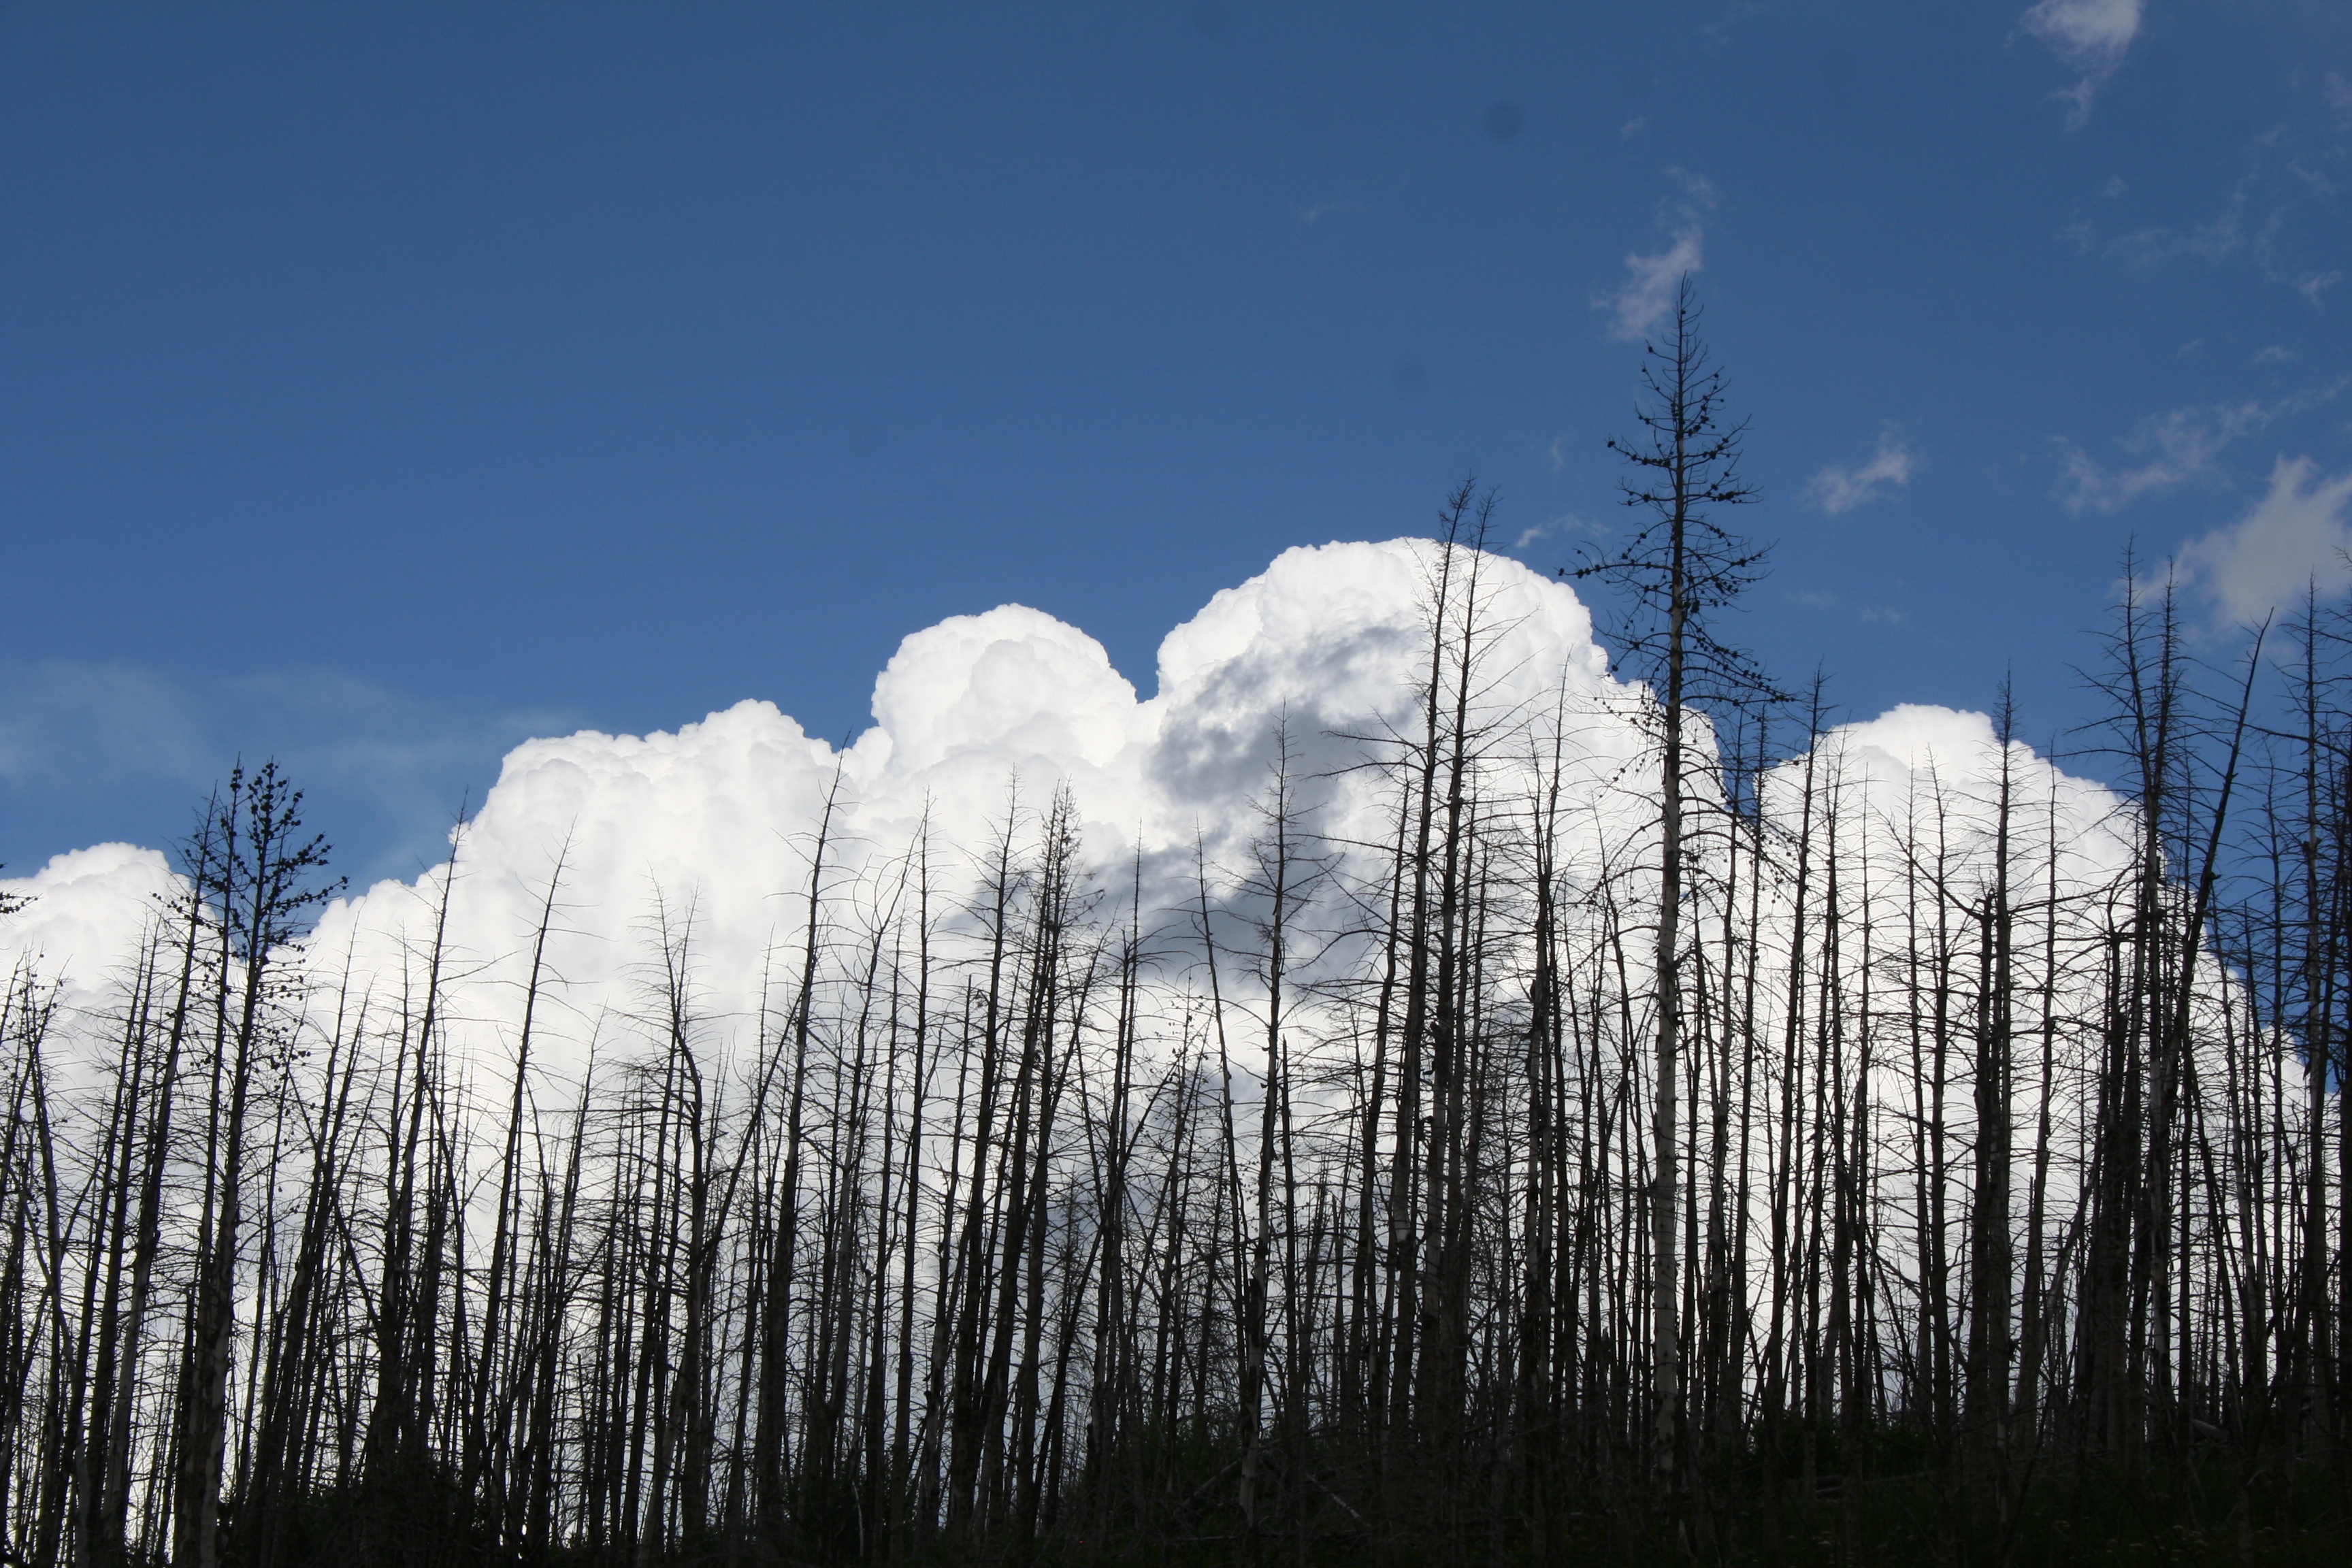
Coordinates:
1565	525
392	763
2090	37
2177	446
2280	214
1842	487
1652	279
2224	235
62	719
1312	212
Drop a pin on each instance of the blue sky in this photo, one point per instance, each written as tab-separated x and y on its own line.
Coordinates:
381	386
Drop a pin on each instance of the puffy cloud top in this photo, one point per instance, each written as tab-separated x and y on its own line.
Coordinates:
84	911
1919	761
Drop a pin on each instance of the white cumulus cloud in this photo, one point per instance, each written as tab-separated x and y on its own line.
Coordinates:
2297	532
976	717
80	916
711	828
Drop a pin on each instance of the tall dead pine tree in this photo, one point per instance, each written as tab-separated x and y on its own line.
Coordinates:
1677	568
265	878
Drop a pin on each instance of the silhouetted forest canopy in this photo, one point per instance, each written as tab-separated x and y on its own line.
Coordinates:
1708	1147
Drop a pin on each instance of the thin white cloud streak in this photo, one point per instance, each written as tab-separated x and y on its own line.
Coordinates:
1566	523
2090	36
1651	280
61	719
2296	535
67	725
2179	446
2217	239
1840	487
2280	214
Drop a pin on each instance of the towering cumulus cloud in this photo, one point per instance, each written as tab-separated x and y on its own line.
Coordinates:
706	838
978	722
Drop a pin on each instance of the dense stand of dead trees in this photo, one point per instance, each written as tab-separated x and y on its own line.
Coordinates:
1322	1212
1989	1185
